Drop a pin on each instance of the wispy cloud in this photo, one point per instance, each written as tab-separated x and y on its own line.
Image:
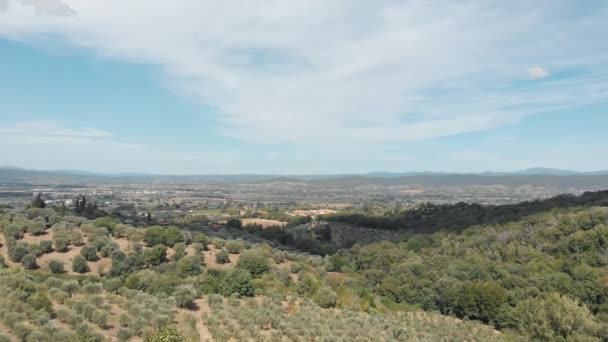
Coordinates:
312	72
50	7
538	72
44	131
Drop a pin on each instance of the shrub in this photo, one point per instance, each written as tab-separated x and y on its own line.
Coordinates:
555	317
105	222
76	238
40	301
92	288
184	296
109	248
235	246
3	262
237	281
71	286
179	251
253	262
222	257
79	264
17	252
61	243
166	334
89	253
36	226
155	255
168	236
29	261
112	285
46	246
215	299
201	239
218	243
326	297
56	266
190	266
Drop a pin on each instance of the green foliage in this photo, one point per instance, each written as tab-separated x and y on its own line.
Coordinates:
234	223
61	243
184	296
56	266
222	257
555	318
201	239
89	253
179	251
253	262
36	226
237	281
326	297
190	266
106	222
38	202
29	262
79	264
167	236
165	334
235	246
40	301
155	255
17	252
46	246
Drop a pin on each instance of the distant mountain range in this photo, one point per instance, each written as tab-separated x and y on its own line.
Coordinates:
533	176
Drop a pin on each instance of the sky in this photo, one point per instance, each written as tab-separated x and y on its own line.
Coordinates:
303	87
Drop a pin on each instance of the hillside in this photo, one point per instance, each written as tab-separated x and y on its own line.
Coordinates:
538	275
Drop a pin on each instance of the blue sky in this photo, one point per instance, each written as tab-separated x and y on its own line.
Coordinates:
309	87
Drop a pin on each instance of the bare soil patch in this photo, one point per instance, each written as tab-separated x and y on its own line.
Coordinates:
263	222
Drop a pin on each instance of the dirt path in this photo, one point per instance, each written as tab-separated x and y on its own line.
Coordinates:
202	307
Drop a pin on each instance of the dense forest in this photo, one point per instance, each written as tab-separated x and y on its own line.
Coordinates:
534	271
430	217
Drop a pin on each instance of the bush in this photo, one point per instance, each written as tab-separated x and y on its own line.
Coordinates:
237	281
184	296
40	301
555	318
109	248
190	266
46	246
166	334
61	243
89	253
253	262
79	264
179	251
168	236
56	266
17	252
29	262
2	262
222	257
218	243
201	239
76	238
326	297
155	255
36	227
235	246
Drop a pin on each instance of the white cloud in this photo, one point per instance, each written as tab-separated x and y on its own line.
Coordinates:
538	72
43	131
356	73
50	7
